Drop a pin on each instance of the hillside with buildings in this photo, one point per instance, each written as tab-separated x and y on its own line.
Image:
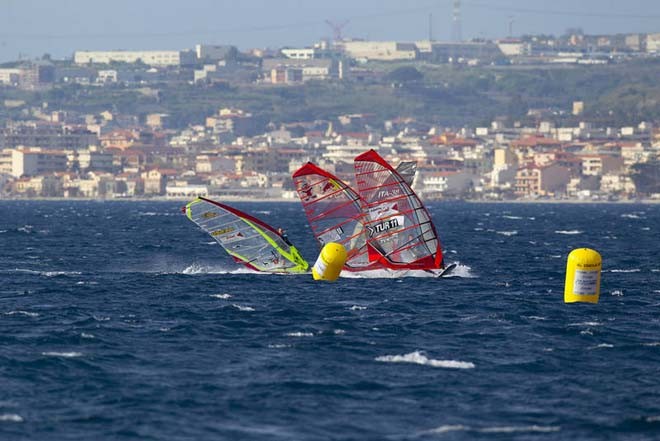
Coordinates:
572	117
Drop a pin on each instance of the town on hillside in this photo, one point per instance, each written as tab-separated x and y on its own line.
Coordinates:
215	121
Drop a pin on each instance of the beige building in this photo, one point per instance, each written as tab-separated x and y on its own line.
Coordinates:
598	165
157	120
534	181
578	107
380	50
214	164
151	58
514	48
653	42
48	186
615	183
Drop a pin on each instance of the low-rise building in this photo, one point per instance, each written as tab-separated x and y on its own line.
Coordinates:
534	181
179	190
598	165
151	58
379	50
45	185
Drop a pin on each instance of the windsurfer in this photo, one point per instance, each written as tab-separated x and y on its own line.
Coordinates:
284	236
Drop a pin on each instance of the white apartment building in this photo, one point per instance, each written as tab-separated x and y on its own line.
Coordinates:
30	162
151	58
300	54
9	75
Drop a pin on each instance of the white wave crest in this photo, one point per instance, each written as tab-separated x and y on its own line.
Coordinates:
195	269
631	216
11	417
418	357
357	308
511	217
495	429
44	273
300	334
513	429
86	335
448	428
242	307
568	232
60	273
507	233
586	324
221	296
633	270
153	213
62	354
25	313
603	345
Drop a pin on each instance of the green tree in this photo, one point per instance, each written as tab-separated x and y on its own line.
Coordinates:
646	177
404	74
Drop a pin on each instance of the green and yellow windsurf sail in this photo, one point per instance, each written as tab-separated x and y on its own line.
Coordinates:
247	239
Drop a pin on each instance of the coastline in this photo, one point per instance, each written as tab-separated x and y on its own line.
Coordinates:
282	200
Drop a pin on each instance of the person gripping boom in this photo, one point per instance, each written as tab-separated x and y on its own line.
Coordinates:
284	236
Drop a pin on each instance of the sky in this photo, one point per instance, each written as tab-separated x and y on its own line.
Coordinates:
32	28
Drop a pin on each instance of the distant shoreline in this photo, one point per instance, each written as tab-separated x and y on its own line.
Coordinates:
281	200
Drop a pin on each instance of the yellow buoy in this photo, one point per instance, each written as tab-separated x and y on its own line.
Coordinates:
583	276
330	262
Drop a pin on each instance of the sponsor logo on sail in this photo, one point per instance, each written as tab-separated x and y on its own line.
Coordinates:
385	225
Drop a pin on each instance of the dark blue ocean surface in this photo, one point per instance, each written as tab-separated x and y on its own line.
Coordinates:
123	320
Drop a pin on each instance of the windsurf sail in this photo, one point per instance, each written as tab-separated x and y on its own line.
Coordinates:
400	232
335	213
247	239
407	170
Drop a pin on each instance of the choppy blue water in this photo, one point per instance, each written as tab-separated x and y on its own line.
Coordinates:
123	320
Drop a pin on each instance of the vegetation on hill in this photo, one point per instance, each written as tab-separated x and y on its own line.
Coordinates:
619	94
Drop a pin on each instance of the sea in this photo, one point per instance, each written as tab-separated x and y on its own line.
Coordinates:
122	320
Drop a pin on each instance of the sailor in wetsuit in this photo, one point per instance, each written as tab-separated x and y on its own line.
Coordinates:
284	236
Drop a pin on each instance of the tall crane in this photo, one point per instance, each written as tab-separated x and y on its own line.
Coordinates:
337	29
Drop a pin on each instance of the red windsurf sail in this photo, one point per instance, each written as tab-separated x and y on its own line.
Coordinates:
335	213
398	225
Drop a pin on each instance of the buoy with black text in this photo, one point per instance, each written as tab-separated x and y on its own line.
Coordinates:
583	268
330	262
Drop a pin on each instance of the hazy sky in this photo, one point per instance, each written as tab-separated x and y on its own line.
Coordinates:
59	27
